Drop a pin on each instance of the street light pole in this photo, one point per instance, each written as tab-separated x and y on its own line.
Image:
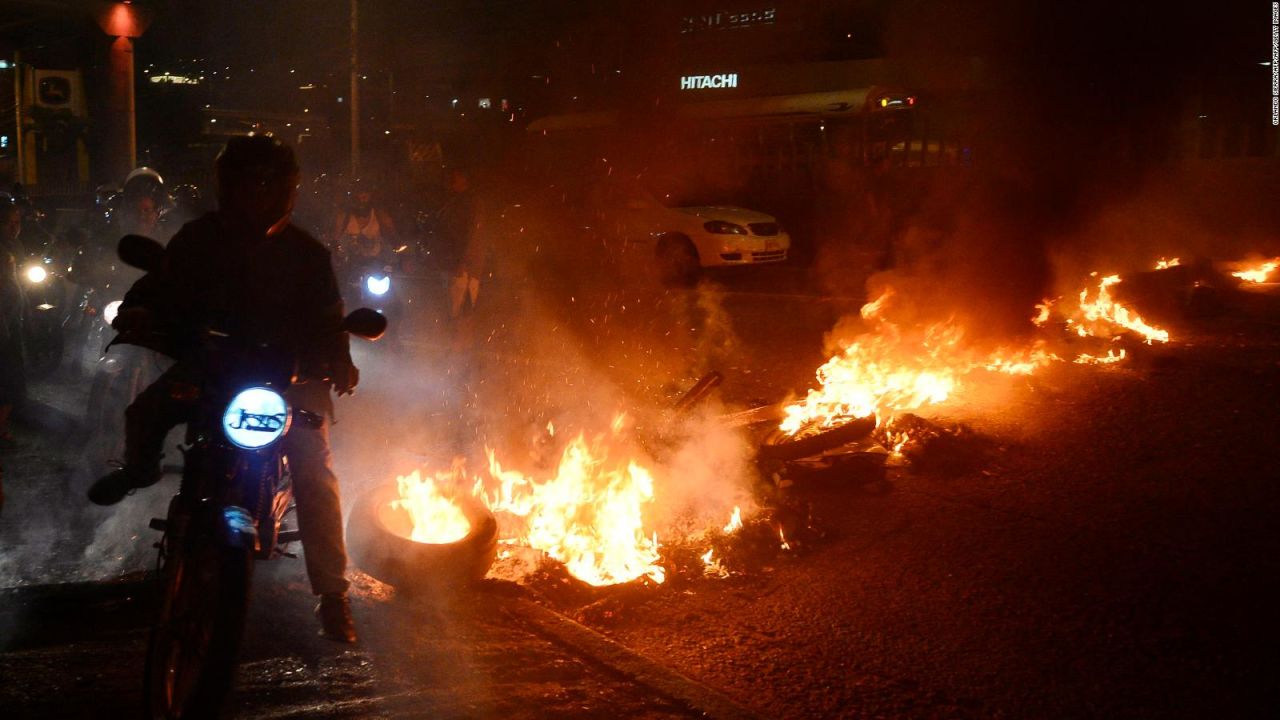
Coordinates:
355	89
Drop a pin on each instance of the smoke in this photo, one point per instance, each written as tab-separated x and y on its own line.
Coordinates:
1085	122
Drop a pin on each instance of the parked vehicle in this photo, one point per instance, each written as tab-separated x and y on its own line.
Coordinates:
680	239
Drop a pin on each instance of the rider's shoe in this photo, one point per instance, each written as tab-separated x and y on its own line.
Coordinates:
112	487
334	612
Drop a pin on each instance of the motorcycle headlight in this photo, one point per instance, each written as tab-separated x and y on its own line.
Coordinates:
378	284
110	311
255	418
37	274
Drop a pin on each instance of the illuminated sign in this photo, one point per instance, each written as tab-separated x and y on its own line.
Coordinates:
705	82
727	20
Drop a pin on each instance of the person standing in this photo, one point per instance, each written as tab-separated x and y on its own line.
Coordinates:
458	253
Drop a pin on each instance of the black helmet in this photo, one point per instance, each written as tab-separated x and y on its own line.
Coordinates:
256	157
144	182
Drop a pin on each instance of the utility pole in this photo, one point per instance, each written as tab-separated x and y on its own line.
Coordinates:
18	140
355	88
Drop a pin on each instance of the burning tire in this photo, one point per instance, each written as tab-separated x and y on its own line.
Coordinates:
811	441
380	545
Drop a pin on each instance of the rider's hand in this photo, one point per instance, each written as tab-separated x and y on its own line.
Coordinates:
345	379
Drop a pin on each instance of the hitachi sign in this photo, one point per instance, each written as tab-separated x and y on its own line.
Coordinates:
701	82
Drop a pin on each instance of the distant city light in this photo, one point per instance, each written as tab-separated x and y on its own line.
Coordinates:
175	79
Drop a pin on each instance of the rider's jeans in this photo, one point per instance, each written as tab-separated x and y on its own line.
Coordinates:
158	409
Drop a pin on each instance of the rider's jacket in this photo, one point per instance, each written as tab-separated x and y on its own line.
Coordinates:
278	290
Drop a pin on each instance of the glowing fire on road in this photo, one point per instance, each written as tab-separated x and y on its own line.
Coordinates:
588	513
436	516
892	370
1100	315
1259	272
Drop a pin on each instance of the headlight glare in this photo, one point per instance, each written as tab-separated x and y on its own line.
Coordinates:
110	311
378	284
255	418
37	274
723	227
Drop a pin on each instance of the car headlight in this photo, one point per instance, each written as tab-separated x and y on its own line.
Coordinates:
109	312
37	274
378	285
255	418
722	227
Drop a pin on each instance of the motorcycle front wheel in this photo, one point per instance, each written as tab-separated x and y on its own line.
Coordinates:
191	657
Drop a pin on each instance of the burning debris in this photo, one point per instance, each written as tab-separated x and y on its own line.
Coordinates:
883	375
1257	272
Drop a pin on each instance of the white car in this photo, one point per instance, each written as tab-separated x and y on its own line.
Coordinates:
684	239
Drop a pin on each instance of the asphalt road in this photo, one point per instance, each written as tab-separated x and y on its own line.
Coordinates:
1113	554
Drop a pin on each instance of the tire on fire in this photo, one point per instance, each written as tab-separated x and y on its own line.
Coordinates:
807	443
378	536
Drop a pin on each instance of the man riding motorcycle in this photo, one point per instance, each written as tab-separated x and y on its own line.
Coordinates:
246	271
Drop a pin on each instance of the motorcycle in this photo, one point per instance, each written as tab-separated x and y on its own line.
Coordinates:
43	324
376	285
234	494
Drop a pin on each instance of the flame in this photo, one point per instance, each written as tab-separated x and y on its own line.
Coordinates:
1099	316
1043	308
1111	357
783	537
891	371
712	566
1166	263
735	521
1258	273
879	373
436	517
589	515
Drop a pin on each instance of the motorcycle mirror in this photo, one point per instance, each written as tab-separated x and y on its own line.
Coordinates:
365	323
141	252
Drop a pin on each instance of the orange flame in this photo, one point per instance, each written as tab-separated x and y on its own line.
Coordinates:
735	521
1166	263
712	566
1258	273
1111	357
436	517
1101	315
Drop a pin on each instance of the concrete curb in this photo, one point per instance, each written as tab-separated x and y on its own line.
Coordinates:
699	698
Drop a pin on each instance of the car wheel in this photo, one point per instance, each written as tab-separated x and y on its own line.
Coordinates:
677	261
380	545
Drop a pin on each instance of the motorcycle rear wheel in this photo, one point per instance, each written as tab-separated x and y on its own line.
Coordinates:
192	653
